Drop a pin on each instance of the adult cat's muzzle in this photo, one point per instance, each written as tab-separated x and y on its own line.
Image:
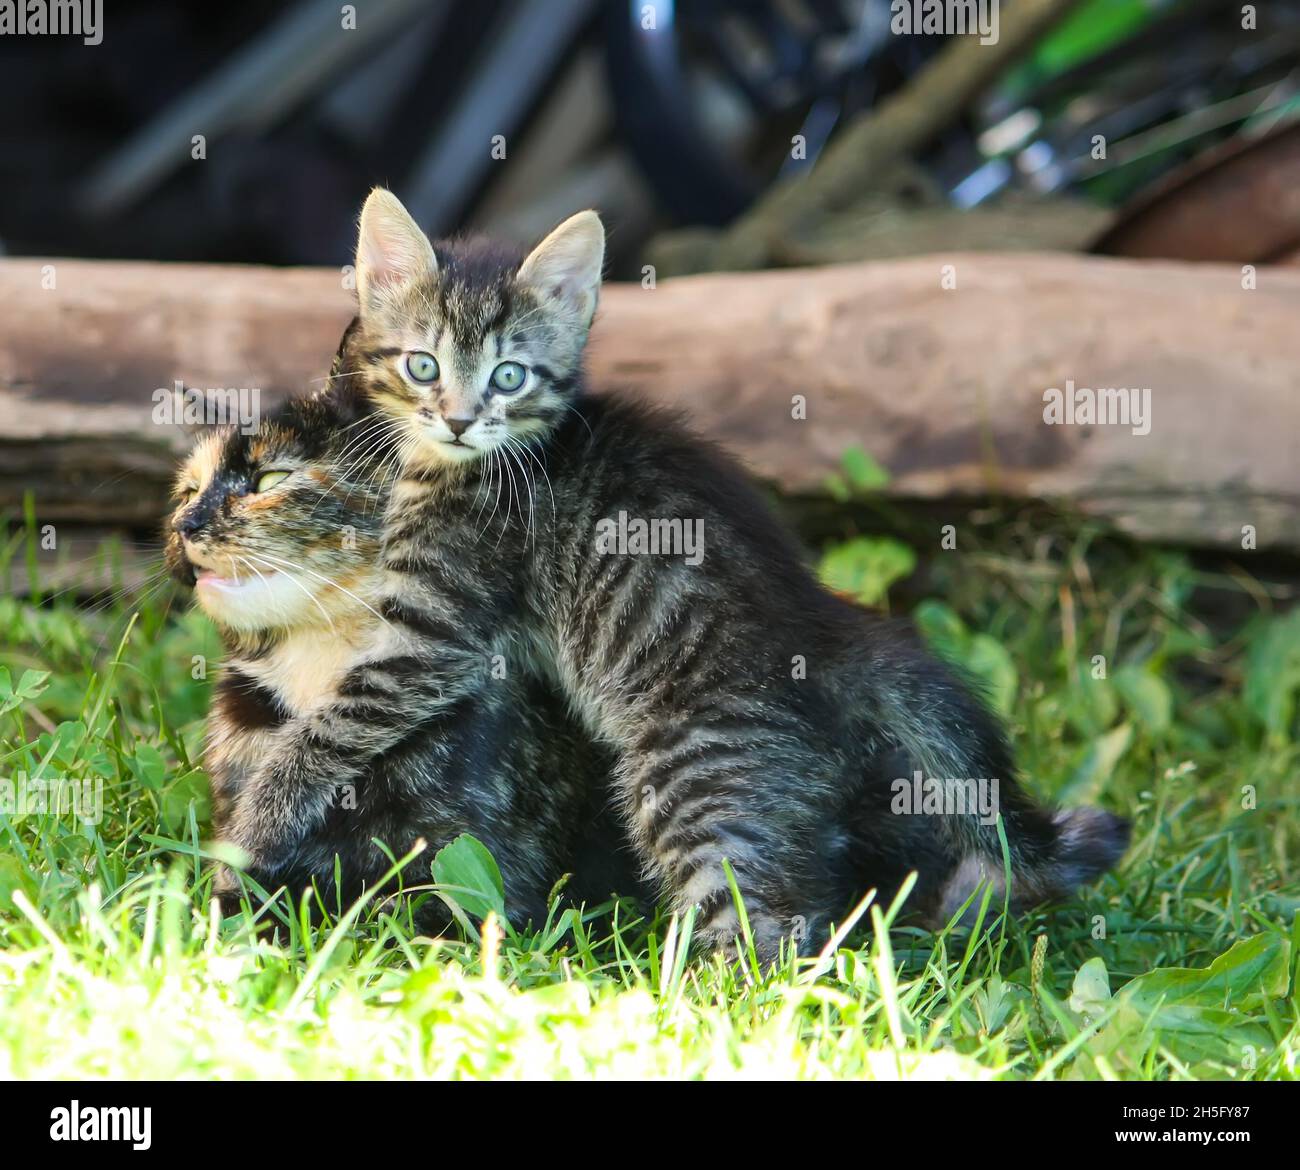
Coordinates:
177	562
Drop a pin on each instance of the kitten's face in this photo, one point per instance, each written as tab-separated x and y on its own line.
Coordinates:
466	348
276	530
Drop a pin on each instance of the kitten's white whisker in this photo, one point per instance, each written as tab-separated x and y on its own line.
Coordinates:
373	439
379	426
581	418
333	377
369	443
541	466
499	479
514	447
505	462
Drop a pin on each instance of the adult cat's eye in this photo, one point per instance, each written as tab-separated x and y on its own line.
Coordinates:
509	377
268	479
422	367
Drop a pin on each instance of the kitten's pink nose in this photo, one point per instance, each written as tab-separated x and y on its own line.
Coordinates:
458	425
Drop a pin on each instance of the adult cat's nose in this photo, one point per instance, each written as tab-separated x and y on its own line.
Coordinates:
188	522
458	425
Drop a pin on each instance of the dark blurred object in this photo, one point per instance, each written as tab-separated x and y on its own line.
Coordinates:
1126	91
863	163
1239	202
299	112
712	96
1087	99
506	115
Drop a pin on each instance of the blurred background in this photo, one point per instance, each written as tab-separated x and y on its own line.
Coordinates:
674	118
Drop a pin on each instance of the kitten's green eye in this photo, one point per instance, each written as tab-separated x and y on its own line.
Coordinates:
422	367
509	377
268	479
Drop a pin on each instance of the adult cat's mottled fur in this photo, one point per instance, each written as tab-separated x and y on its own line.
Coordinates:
390	756
756	718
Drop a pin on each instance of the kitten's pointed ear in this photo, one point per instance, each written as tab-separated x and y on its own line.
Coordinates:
392	251
566	265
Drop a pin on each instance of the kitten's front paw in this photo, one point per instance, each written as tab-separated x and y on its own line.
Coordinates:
770	934
262	845
225	890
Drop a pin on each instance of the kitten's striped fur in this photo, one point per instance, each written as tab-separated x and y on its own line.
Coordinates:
689	673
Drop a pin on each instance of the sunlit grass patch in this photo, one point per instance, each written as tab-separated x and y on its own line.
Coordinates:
1130	678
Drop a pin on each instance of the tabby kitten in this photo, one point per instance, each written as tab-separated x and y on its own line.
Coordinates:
758	720
278	532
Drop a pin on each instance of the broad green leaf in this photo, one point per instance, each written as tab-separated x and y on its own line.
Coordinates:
63	745
8	700
1090	995
987	659
1099	761
1092	706
174	804
866	567
838	489
862	471
32	683
979	655
1273	674
1239	978
470	877
149	765
1147	697
1190	1032
12	877
941	627
1209	1013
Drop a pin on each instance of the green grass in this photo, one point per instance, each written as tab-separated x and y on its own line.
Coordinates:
112	965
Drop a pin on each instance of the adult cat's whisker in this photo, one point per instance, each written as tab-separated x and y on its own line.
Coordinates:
267	557
158	576
288	576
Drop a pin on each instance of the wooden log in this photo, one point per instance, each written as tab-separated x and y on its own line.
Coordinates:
943	386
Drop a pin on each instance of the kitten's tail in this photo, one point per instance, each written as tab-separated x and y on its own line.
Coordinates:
950	736
1087	842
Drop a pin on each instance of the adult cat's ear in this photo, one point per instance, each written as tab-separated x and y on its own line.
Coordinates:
566	265
392	251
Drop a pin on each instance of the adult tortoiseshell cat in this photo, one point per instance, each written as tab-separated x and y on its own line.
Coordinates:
278	532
